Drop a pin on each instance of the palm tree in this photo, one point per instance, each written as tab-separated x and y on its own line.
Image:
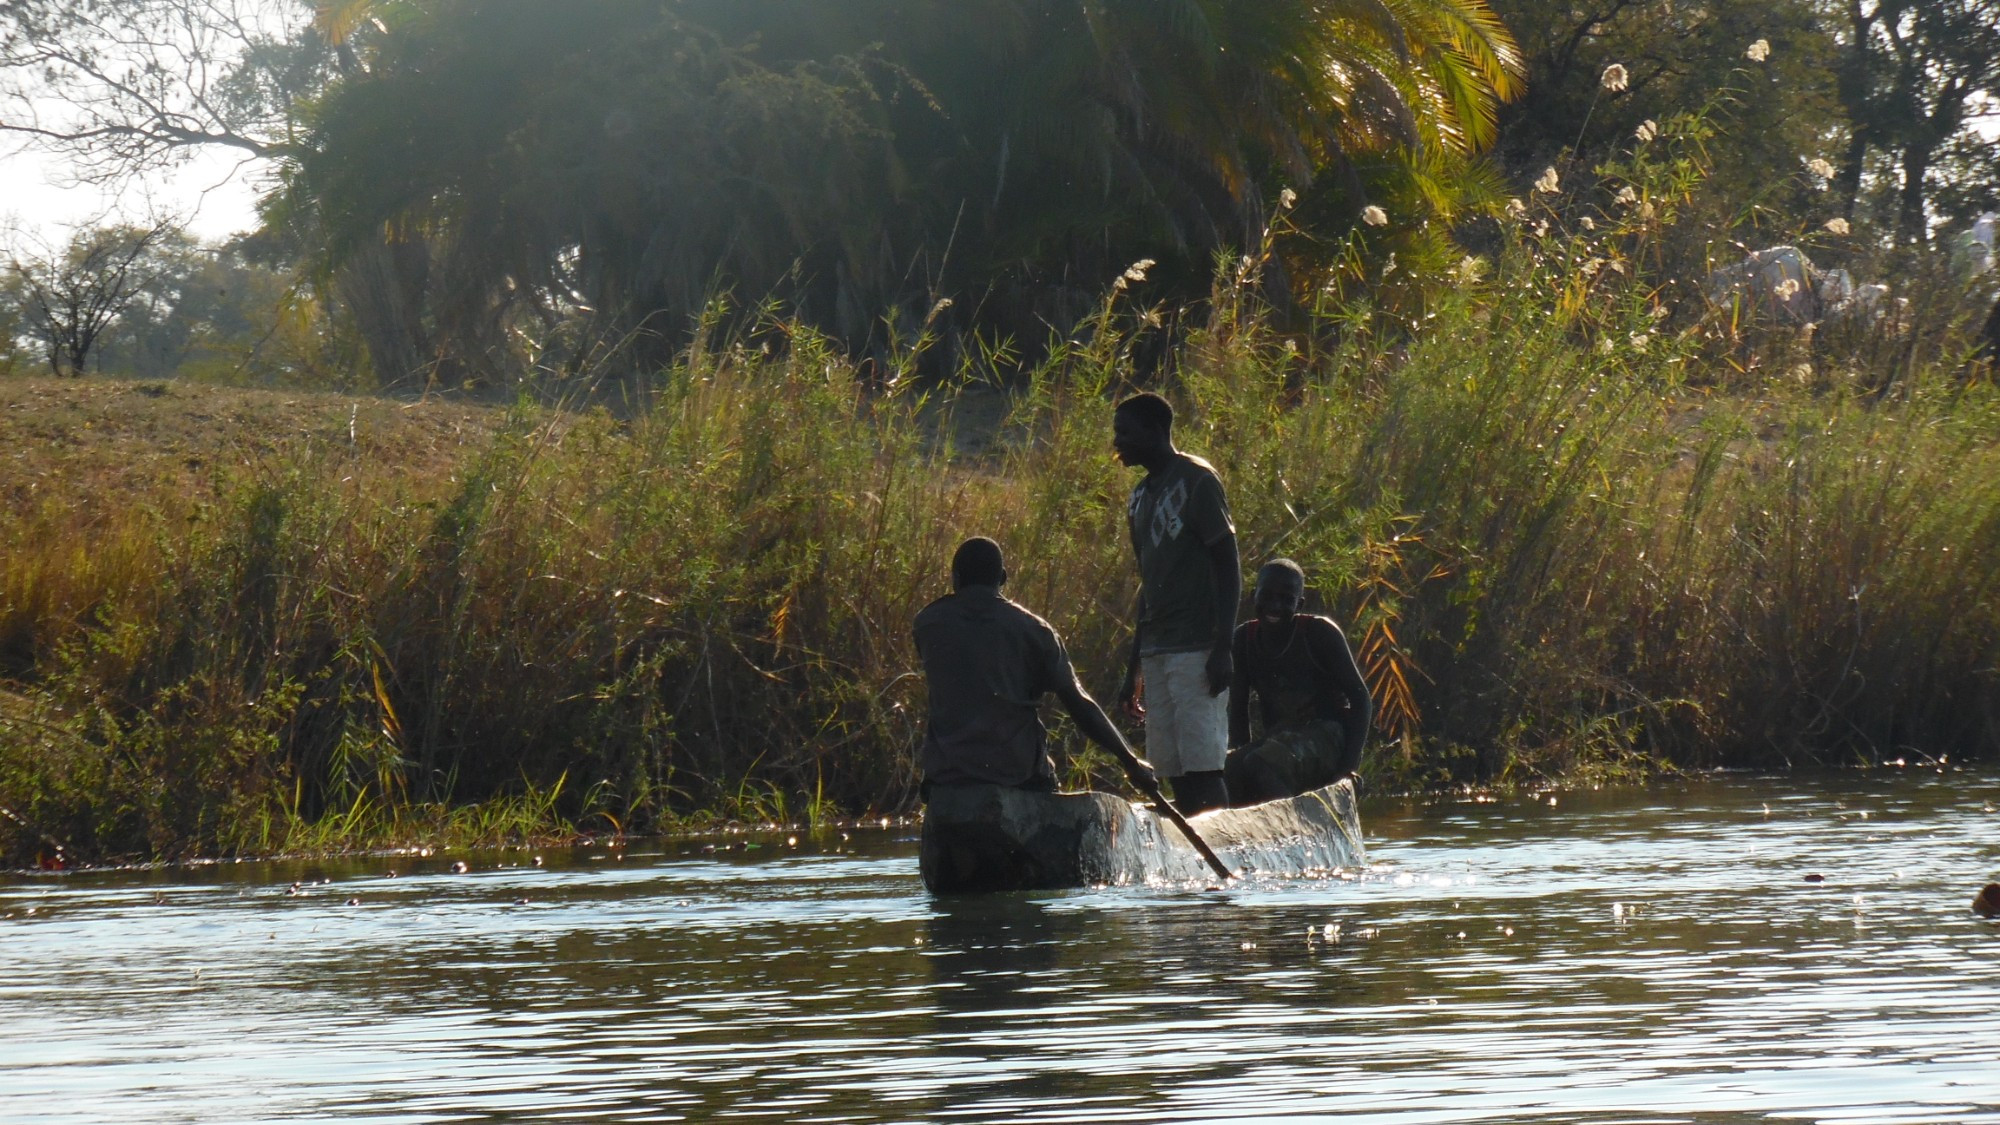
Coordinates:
628	157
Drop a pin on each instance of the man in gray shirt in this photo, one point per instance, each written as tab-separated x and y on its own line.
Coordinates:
1189	584
988	663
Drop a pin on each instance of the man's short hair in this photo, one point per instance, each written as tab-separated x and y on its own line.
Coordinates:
1287	565
1151	409
978	563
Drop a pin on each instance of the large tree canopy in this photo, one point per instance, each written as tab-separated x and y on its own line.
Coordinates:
1913	74
1779	111
630	157
1887	92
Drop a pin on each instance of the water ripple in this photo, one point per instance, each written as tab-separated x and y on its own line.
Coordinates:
1636	957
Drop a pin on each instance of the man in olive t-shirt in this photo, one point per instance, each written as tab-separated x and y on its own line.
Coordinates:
988	663
1189	584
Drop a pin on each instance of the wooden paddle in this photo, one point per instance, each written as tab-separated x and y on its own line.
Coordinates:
1143	778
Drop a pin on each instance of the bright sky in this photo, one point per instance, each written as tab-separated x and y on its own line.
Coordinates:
216	195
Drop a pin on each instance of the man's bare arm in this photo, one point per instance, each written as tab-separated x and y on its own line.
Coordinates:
1096	726
1335	661
1128	695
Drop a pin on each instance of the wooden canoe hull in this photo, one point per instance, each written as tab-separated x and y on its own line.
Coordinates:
987	838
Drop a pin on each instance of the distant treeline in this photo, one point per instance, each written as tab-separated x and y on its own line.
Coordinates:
492	191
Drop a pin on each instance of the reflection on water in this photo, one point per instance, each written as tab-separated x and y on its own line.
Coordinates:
1656	956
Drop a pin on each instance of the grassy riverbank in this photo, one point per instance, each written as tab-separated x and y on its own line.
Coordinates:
1578	547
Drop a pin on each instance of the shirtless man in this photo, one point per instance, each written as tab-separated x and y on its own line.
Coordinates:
1314	705
1189	583
989	662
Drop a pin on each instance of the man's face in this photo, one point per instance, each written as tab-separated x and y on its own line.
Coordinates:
1279	594
1133	440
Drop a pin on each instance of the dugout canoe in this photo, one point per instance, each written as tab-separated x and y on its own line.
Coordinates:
987	838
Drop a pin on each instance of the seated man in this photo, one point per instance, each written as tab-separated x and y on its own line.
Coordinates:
988	663
1314	705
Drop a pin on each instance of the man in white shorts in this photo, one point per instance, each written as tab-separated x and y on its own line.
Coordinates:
1189	584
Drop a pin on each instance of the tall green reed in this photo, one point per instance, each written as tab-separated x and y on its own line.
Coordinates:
1560	549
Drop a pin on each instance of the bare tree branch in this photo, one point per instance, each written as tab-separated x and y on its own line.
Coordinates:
76	292
122	87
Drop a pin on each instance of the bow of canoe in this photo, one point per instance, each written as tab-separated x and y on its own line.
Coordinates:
987	838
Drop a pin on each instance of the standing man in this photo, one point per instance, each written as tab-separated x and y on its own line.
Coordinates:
1313	702
1189	584
988	663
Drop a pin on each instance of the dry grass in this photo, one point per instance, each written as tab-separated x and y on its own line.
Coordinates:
89	441
241	631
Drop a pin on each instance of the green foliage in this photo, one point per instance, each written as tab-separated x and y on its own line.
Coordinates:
211	313
1559	552
1579	523
1914	75
68	297
1677	58
607	167
16	354
1887	95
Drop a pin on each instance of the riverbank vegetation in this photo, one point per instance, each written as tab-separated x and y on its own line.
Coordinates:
1588	514
1565	548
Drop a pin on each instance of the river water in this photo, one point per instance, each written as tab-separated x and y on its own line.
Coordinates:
1639	956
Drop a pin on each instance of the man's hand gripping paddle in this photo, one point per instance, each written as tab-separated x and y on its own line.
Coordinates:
1143	778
